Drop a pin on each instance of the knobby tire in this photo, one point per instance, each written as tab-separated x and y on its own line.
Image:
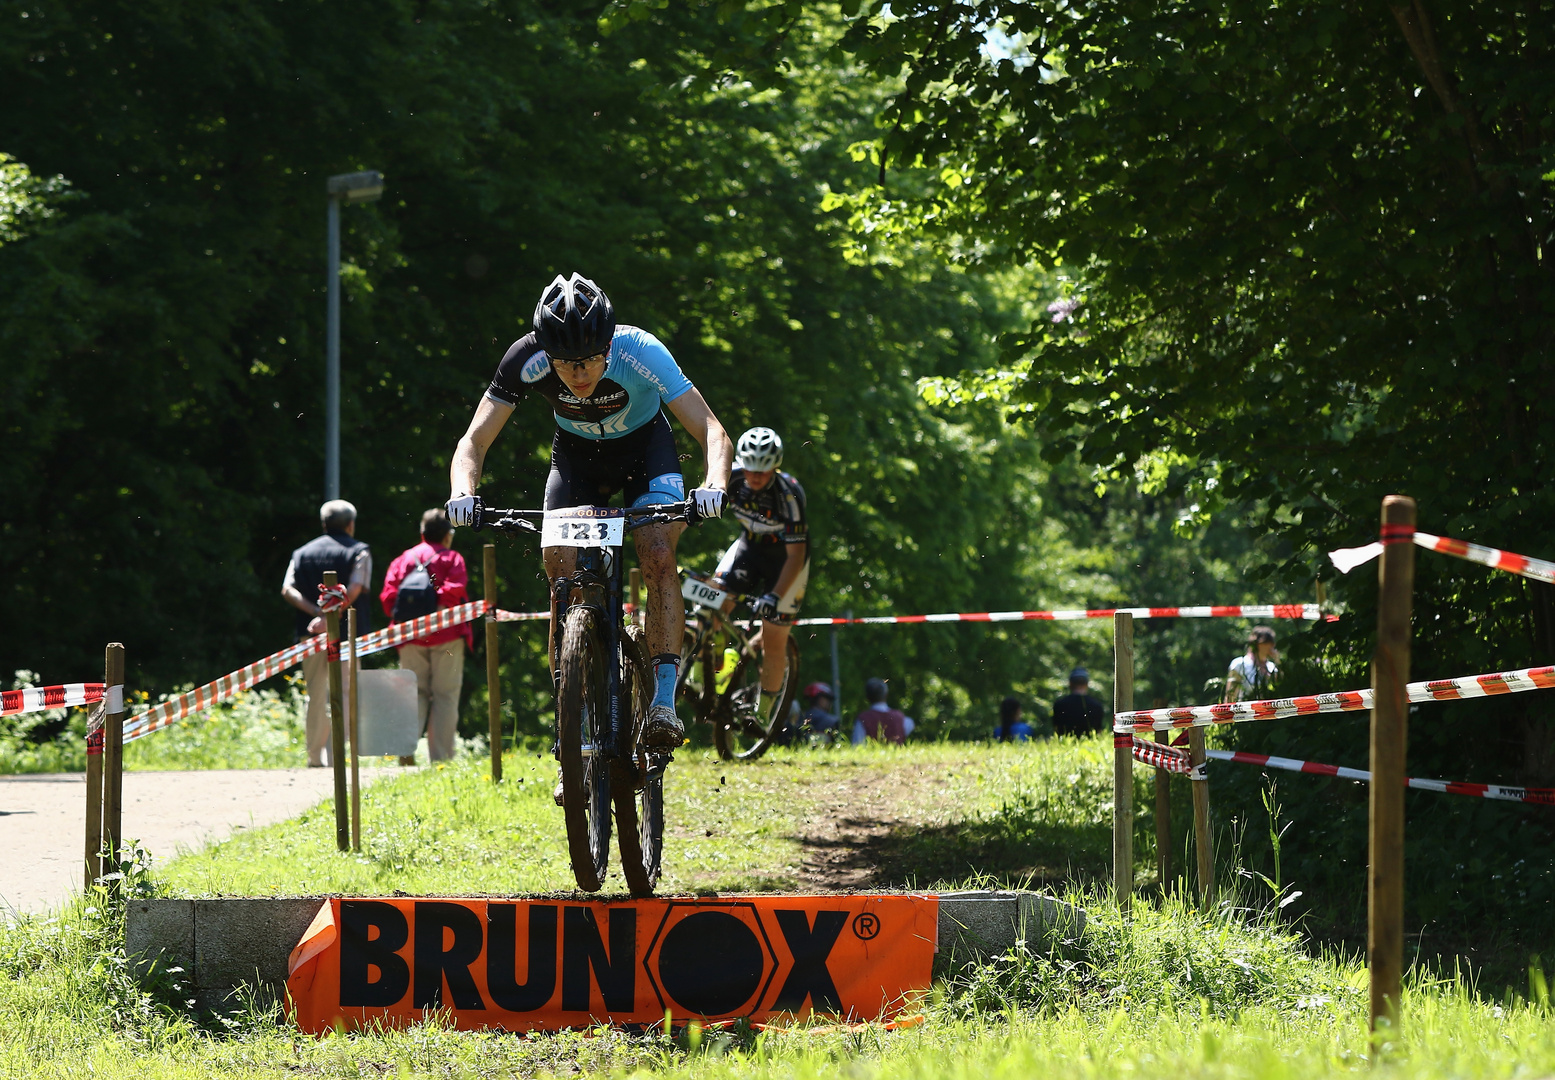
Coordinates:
582	714
639	813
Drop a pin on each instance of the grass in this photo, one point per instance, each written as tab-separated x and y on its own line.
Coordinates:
960	810
264	729
1171	991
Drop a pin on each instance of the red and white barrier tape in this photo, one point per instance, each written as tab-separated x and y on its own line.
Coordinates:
398	634
333	598
522	616
213	693
1347	559
1468	686
1233	611
1541	796
38	698
1162	756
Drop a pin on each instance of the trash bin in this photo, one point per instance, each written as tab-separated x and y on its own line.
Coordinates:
388	724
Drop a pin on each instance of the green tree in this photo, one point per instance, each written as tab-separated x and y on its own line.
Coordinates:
1304	255
164	336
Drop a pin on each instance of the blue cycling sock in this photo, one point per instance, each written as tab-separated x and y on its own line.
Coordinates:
665	671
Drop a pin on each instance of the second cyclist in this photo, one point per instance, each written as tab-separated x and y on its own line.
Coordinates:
770	559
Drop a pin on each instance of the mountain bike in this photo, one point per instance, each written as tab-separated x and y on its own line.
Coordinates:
603	690
722	686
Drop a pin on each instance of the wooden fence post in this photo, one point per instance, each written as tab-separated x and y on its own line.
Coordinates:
337	722
94	786
94	807
493	671
1203	838
356	727
1389	743
1123	761
113	754
1163	820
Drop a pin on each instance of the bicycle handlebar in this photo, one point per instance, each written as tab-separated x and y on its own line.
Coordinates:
657	514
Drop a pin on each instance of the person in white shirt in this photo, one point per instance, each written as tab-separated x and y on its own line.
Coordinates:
1252	675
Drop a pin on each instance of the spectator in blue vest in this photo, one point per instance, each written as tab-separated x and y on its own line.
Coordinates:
351	560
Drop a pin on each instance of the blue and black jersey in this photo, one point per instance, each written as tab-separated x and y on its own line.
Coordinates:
640	376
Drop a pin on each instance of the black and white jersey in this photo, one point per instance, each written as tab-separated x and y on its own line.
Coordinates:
775	514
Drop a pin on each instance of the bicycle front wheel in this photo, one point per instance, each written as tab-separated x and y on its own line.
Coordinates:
582	716
740	731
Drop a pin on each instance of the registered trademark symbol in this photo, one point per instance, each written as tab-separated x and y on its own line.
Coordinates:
866	926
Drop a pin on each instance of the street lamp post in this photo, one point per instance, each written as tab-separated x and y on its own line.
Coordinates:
359	187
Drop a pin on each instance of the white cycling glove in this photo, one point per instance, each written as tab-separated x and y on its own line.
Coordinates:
766	606
464	509
709	502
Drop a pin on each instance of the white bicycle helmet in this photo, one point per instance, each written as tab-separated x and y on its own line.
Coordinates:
760	450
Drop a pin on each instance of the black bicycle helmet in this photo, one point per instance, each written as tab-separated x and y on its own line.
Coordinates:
574	319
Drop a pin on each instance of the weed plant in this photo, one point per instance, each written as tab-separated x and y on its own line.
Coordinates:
262	729
1172	957
1172	992
1169	991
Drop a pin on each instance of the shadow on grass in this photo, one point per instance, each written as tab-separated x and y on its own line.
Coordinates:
1008	848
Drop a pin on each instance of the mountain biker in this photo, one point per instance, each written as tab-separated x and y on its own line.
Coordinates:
605	384
771	557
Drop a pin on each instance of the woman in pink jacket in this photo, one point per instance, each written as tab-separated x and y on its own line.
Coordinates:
438	658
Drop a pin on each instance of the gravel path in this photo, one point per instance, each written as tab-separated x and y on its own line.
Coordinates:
42	826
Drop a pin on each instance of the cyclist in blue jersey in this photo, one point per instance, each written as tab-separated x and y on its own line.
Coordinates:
606	384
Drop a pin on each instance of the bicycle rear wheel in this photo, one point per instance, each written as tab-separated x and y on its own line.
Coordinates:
639	811
582	716
739	731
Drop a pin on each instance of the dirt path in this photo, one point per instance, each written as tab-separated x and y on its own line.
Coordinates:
42	820
852	816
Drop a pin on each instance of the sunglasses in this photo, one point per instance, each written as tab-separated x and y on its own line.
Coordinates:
578	365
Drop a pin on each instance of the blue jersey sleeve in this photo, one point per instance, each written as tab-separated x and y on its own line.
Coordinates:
651	363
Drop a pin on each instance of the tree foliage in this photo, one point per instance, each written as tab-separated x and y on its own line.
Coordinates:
1304	256
164	328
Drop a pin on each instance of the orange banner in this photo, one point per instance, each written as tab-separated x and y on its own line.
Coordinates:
537	965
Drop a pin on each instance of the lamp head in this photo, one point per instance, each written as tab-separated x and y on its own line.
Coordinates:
357	187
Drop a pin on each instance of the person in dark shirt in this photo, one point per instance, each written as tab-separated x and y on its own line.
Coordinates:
1077	712
339	550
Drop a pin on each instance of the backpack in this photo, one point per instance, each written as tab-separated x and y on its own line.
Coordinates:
417	595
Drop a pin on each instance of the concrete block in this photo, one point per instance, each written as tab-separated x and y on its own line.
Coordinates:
226	943
243	941
978	924
160	933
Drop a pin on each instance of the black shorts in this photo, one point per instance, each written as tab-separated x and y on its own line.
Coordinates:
754	569
641	463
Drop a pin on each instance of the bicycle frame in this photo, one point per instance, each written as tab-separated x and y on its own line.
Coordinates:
595	582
